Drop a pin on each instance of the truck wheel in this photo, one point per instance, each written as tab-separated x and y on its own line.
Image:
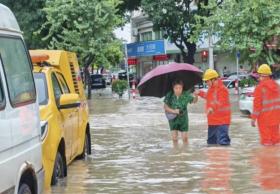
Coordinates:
58	171
87	147
24	189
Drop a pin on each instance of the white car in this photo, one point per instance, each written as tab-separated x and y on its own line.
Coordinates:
20	138
108	78
247	98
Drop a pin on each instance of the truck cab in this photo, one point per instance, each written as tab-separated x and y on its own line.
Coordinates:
63	110
20	138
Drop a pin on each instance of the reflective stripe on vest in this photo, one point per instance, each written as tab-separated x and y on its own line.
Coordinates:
224	109
256	113
215	98
269	102
266	102
271	108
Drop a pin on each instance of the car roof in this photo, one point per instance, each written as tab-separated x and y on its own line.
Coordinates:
54	55
8	20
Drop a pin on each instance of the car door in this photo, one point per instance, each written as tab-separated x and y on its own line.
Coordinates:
65	118
5	138
75	117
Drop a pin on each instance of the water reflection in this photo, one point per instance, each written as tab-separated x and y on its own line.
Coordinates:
267	161
218	172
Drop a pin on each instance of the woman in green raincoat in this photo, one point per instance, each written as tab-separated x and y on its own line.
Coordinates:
176	103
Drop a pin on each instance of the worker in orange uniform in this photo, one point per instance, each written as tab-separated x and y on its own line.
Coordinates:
267	107
217	108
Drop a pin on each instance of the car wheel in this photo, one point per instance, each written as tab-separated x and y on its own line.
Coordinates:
87	147
58	171
24	189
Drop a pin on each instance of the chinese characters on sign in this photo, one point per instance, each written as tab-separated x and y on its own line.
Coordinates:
149	48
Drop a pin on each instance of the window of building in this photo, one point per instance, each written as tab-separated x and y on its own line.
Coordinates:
17	68
158	35
146	36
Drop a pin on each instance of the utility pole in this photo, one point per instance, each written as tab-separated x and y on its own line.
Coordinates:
237	69
127	70
211	52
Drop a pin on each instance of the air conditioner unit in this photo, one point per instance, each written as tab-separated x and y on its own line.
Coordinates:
134	31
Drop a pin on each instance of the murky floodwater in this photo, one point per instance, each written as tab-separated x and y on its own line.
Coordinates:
132	153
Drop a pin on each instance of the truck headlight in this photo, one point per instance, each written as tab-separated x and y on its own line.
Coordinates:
44	129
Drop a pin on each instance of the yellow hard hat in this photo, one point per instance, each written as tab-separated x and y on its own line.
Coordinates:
264	69
210	74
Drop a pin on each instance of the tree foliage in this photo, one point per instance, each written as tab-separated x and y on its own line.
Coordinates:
177	19
30	17
110	55
250	26
128	5
82	26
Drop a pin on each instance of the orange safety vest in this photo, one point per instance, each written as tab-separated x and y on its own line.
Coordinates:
217	98
267	103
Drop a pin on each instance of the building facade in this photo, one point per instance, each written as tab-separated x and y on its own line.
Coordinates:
149	49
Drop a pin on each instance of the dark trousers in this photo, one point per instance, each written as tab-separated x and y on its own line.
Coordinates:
218	134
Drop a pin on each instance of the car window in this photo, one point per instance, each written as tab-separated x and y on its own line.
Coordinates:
17	68
63	83
97	76
56	87
2	96
41	87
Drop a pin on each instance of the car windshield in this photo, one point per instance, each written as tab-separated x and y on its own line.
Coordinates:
41	87
96	76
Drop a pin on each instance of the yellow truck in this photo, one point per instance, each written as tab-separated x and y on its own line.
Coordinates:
63	110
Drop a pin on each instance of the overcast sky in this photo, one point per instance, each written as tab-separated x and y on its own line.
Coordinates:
124	33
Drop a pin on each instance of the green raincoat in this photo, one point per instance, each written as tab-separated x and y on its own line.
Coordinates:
181	122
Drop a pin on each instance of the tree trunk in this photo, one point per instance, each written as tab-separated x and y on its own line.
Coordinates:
191	52
87	62
188	57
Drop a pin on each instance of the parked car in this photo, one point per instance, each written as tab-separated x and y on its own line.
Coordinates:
97	81
247	98
233	76
122	75
229	83
20	140
63	110
108	78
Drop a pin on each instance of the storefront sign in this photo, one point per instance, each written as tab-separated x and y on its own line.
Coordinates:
132	61
149	48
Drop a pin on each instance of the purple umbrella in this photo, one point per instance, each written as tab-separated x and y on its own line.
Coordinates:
158	82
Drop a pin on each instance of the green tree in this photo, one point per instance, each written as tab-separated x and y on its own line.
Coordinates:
177	19
82	26
110	55
250	26
30	16
128	5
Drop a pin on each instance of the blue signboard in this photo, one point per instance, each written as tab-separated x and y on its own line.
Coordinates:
149	48
238	54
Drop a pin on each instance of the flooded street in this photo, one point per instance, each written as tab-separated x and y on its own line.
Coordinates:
132	153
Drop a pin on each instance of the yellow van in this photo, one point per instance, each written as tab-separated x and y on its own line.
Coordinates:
63	110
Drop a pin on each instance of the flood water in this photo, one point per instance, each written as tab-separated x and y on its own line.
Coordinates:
132	153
